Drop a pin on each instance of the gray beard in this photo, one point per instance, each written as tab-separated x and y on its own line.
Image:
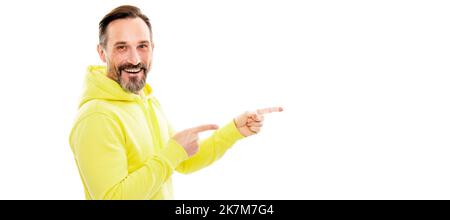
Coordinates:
133	86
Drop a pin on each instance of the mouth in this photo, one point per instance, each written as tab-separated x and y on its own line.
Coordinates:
132	71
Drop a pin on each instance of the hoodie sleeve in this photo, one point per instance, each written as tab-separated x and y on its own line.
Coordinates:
211	149
98	145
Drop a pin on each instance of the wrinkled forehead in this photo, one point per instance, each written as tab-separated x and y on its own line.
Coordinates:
129	30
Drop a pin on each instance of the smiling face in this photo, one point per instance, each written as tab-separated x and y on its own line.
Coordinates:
128	52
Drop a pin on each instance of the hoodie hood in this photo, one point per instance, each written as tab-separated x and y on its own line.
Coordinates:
99	86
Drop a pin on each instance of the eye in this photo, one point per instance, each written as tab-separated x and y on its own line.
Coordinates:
143	46
121	47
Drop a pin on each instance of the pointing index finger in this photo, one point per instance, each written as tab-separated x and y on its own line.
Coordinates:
202	128
269	110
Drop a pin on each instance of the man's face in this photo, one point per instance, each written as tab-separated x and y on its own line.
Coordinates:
128	53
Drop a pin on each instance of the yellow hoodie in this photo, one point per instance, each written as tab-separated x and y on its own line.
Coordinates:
122	146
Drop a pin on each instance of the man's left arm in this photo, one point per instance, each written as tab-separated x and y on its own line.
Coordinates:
215	146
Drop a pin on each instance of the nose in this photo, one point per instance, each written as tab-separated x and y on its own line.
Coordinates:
133	57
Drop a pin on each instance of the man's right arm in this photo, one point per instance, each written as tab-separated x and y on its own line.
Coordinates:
97	142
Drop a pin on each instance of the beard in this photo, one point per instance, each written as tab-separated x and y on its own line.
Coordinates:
130	77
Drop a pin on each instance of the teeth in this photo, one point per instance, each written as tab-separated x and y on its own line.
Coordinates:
133	70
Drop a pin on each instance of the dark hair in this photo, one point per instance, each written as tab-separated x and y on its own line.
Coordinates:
121	12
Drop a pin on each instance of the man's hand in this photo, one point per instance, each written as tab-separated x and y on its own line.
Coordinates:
189	138
250	123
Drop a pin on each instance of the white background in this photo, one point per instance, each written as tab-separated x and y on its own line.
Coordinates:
364	84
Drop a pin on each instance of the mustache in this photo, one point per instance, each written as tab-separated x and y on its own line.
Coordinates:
131	66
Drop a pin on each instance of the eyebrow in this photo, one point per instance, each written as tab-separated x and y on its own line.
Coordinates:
120	43
124	42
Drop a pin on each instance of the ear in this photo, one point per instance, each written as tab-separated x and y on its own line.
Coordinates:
101	53
153	45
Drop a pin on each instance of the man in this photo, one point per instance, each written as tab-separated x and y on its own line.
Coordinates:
122	142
